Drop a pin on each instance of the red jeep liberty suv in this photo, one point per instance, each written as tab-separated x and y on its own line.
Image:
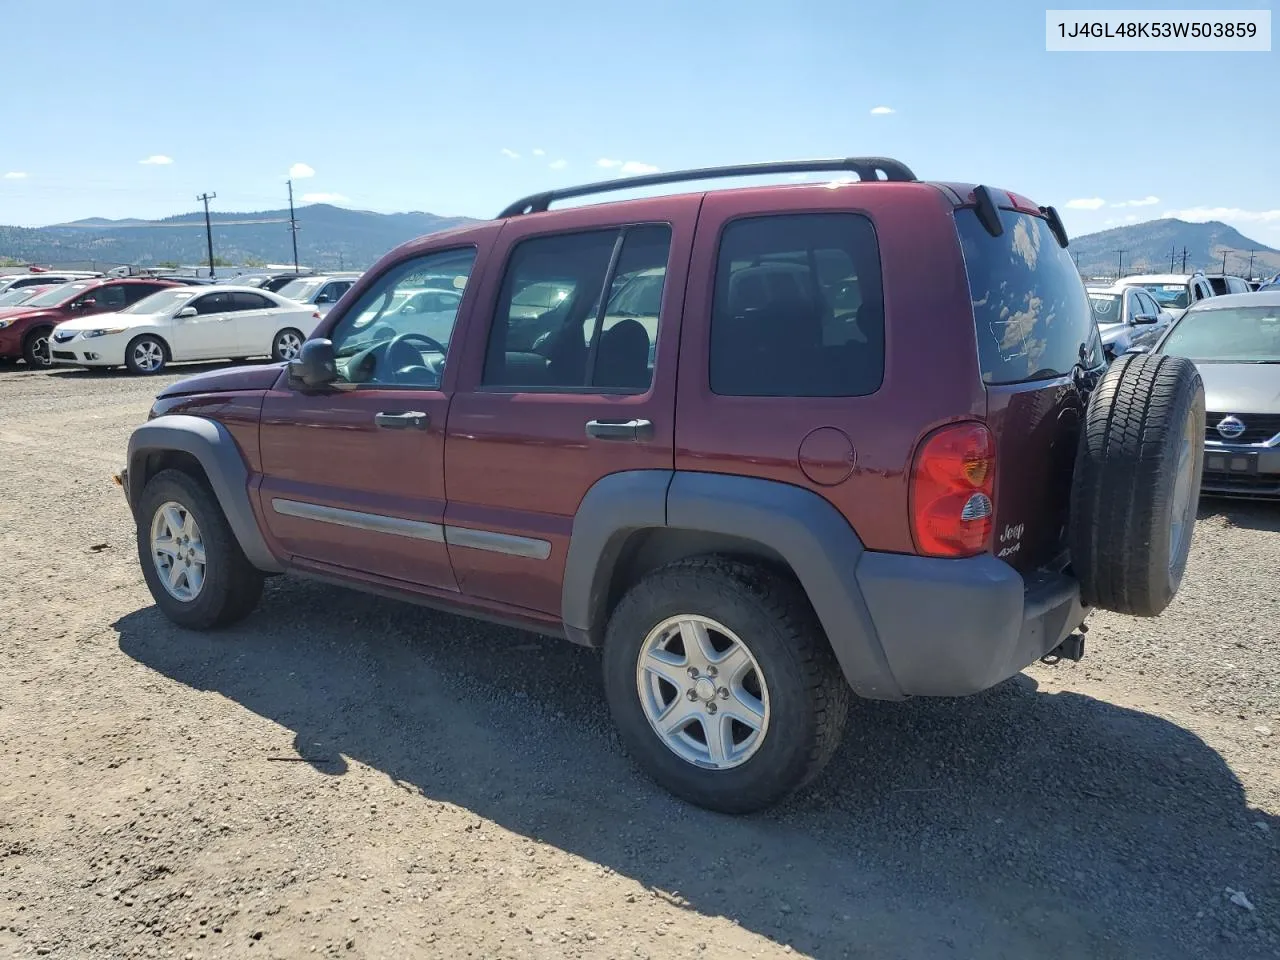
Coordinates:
765	446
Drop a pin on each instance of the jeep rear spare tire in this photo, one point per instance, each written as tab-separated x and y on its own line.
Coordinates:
1137	483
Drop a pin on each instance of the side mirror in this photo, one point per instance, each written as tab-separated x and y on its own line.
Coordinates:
323	298
186	312
1145	318
315	365
1139	348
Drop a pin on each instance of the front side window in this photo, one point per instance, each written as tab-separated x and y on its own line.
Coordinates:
551	330
1030	307
386	340
798	308
107	298
215	303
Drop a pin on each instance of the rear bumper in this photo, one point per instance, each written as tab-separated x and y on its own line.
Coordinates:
952	628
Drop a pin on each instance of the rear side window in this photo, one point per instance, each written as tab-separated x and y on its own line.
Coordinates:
798	308
1029	305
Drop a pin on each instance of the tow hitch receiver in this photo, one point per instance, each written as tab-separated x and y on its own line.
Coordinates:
1072	648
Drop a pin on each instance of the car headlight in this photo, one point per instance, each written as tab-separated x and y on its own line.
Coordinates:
4	323
104	332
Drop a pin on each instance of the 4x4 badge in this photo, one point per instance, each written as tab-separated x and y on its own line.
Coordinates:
1230	427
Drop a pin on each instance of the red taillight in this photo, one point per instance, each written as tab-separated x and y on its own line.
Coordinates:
952	486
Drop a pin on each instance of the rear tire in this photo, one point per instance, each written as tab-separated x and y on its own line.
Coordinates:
792	673
229	586
287	344
35	348
146	355
1137	483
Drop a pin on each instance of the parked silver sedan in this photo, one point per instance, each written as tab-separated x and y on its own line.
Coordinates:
1235	342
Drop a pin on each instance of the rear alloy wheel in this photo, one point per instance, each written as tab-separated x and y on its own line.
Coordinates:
145	355
1137	483
287	344
722	684
35	347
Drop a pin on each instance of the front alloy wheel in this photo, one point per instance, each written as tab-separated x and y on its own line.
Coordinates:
177	551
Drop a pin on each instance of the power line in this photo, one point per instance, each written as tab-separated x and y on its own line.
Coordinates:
208	230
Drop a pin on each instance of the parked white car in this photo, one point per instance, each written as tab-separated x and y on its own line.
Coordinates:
186	323
320	292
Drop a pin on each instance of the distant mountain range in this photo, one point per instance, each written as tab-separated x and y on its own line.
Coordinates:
334	237
328	238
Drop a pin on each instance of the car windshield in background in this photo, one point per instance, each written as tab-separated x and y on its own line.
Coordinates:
1029	304
14	297
161	302
1172	295
1107	307
58	295
1227	335
299	289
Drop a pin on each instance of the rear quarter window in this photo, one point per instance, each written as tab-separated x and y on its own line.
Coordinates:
1030	307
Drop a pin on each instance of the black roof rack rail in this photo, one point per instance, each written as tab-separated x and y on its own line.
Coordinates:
867	168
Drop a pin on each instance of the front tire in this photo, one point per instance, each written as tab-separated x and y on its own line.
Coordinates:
146	355
191	560
35	348
287	344
722	685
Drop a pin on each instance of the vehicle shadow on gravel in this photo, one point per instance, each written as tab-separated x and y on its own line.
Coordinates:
1015	823
1249	514
173	369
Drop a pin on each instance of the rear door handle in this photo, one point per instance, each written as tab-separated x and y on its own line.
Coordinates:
620	429
414	419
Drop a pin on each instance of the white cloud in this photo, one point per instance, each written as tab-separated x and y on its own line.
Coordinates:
15	175
881	111
626	166
300	171
324	198
558	164
509	153
156	160
1086	203
1144	202
1131	218
1201	214
539	152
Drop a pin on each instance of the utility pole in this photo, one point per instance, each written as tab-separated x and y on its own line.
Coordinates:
208	230
1184	259
293	229
1120	264
1173	255
1224	262
1251	253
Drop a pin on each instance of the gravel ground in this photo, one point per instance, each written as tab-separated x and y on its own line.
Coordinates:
346	776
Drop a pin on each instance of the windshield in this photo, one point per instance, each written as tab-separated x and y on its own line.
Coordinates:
1227	335
1107	307
14	297
58	295
162	302
299	289
1173	295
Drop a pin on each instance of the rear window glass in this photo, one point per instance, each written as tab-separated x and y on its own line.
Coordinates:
798	308
1033	316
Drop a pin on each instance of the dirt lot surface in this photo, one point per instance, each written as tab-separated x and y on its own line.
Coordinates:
346	776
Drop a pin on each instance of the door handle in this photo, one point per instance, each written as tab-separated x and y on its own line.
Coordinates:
403	421
620	429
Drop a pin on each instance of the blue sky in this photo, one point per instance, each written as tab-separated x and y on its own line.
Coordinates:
458	108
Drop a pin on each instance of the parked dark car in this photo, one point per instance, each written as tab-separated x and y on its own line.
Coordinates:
1235	342
867	444
25	329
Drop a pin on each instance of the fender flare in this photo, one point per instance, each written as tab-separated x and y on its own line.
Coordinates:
810	534
216	451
